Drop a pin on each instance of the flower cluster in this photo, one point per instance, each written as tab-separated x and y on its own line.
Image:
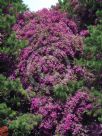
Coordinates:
53	43
79	71
73	114
61	118
50	111
48	72
84	33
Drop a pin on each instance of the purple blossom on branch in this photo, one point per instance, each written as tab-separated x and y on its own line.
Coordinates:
53	42
64	118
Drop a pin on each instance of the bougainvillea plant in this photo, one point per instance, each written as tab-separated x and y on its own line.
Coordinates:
63	118
58	62
53	43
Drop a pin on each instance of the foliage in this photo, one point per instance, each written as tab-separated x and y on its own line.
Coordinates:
63	91
54	85
12	46
94	42
23	125
96	97
12	92
92	60
82	11
6	114
92	56
9	11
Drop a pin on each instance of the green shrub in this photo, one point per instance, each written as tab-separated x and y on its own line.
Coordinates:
92	57
63	91
24	124
66	6
60	92
12	92
96	98
6	114
12	45
84	12
9	11
94	41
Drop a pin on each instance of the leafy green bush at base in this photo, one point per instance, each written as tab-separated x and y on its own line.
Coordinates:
12	92
24	124
6	114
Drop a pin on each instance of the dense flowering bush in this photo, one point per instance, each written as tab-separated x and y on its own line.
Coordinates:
62	76
53	43
65	118
50	110
73	114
